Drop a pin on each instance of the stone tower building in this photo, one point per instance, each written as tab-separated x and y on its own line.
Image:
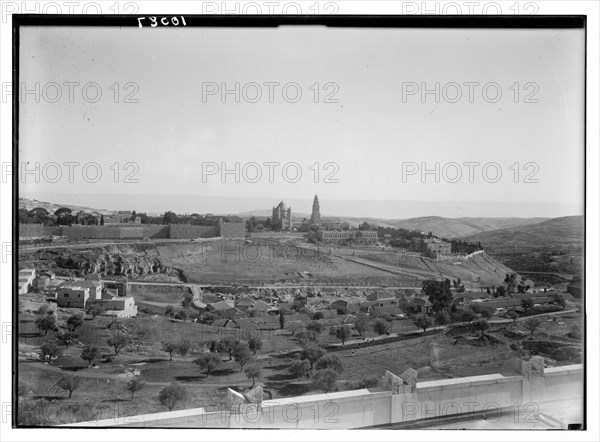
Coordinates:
315	217
282	216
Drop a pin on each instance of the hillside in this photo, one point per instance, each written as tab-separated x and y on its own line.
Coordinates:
28	204
460	227
565	232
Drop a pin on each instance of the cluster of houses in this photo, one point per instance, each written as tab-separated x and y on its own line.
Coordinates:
79	293
249	311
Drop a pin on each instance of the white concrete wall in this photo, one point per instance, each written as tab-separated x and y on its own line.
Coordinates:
366	408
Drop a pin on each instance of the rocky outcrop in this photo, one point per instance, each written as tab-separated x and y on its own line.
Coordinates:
118	260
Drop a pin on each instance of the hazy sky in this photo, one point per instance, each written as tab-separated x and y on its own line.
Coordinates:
369	133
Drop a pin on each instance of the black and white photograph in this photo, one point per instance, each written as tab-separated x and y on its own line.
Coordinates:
225	216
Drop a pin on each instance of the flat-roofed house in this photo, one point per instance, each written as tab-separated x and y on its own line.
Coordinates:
26	277
343	307
121	307
77	293
71	295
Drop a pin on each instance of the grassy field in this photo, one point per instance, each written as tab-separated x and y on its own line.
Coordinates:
102	393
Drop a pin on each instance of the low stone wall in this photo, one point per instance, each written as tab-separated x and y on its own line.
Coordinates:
401	400
232	230
183	231
134	231
38	230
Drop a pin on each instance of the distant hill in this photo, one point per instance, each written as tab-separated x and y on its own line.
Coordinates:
564	232
460	227
30	204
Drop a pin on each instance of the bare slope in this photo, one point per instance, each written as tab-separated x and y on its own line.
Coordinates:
460	227
564	232
231	261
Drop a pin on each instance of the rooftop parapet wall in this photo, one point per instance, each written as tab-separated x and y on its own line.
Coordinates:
366	408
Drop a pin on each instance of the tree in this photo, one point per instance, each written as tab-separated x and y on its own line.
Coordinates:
511	282
69	383
299	368
514	316
173	394
526	304
438	293
442	317
253	371
481	324
242	354
118	342
188	298
170	218
133	385
486	312
169	310
255	344
102	223
170	347
94	309
90	354
532	324
424	322
183	347
361	324
381	326
560	301
182	315
45	323
315	327
330	362
501	291
75	321
325	380
227	344
312	353
50	350
342	332
67	337
208	362
468	316
281	320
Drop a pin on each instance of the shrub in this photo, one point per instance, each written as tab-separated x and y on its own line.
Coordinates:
90	354
380	326
299	368
50	350
208	362
69	383
173	394
325	380
253	371
330	362
134	385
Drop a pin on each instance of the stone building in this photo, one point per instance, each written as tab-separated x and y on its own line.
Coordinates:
315	217
282	217
348	237
433	245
